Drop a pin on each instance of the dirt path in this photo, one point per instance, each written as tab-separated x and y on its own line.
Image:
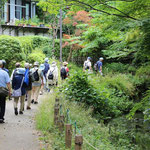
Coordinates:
18	132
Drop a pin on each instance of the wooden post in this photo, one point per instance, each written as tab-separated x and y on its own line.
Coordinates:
68	135
56	115
61	123
78	142
57	100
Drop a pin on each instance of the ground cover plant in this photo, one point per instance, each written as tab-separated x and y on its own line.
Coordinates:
96	133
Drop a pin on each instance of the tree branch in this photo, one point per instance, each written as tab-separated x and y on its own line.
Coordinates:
118	15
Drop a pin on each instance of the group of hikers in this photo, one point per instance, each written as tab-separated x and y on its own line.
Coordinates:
27	83
87	66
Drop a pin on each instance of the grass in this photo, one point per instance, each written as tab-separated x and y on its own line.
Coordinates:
95	133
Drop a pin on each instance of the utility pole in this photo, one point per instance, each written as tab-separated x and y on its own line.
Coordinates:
61	36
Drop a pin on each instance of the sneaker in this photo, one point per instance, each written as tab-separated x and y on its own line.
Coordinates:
32	101
20	112
28	107
16	111
35	102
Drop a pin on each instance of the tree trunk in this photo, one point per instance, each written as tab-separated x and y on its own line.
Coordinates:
70	55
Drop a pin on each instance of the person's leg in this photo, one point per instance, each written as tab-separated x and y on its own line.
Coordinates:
37	90
2	108
16	105
32	94
22	98
29	99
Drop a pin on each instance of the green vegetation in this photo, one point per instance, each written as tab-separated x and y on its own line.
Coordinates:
96	133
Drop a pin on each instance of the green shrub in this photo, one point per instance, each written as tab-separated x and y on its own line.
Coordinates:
39	41
36	55
10	50
26	44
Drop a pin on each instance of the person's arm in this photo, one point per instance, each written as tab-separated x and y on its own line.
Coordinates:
9	88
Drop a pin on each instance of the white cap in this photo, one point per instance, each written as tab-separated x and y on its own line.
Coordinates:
46	60
26	65
101	58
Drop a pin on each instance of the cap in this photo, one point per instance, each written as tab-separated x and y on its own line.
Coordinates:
101	58
36	63
26	65
46	60
89	58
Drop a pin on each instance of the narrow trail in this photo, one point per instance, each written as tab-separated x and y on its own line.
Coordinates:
18	132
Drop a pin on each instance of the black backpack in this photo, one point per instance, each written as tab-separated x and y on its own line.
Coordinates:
35	76
63	72
50	75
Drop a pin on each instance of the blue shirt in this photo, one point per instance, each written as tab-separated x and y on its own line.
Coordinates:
99	64
4	78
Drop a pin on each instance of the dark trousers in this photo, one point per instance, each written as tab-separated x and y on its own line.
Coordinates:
2	107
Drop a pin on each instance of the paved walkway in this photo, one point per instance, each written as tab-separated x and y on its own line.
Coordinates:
18	132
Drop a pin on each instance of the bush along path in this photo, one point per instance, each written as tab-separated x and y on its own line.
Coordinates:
19	132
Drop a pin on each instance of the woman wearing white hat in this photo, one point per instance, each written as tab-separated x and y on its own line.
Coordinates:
52	75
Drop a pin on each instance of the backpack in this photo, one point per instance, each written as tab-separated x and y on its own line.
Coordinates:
63	72
50	75
96	66
35	76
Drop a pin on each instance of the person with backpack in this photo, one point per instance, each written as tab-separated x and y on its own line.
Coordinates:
4	84
87	66
17	65
28	86
4	63
52	75
99	65
37	79
64	71
19	89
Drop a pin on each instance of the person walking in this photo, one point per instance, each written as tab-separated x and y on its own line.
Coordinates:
45	71
17	65
99	65
87	66
4	82
38	82
64	72
28	85
18	83
4	63
52	75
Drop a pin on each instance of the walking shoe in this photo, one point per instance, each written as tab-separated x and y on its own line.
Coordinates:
16	111
20	112
32	101
28	107
35	102
2	121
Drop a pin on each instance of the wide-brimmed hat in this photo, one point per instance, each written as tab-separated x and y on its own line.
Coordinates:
42	67
101	58
65	63
36	63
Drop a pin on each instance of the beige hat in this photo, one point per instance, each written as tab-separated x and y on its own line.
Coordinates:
65	63
36	63
17	64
